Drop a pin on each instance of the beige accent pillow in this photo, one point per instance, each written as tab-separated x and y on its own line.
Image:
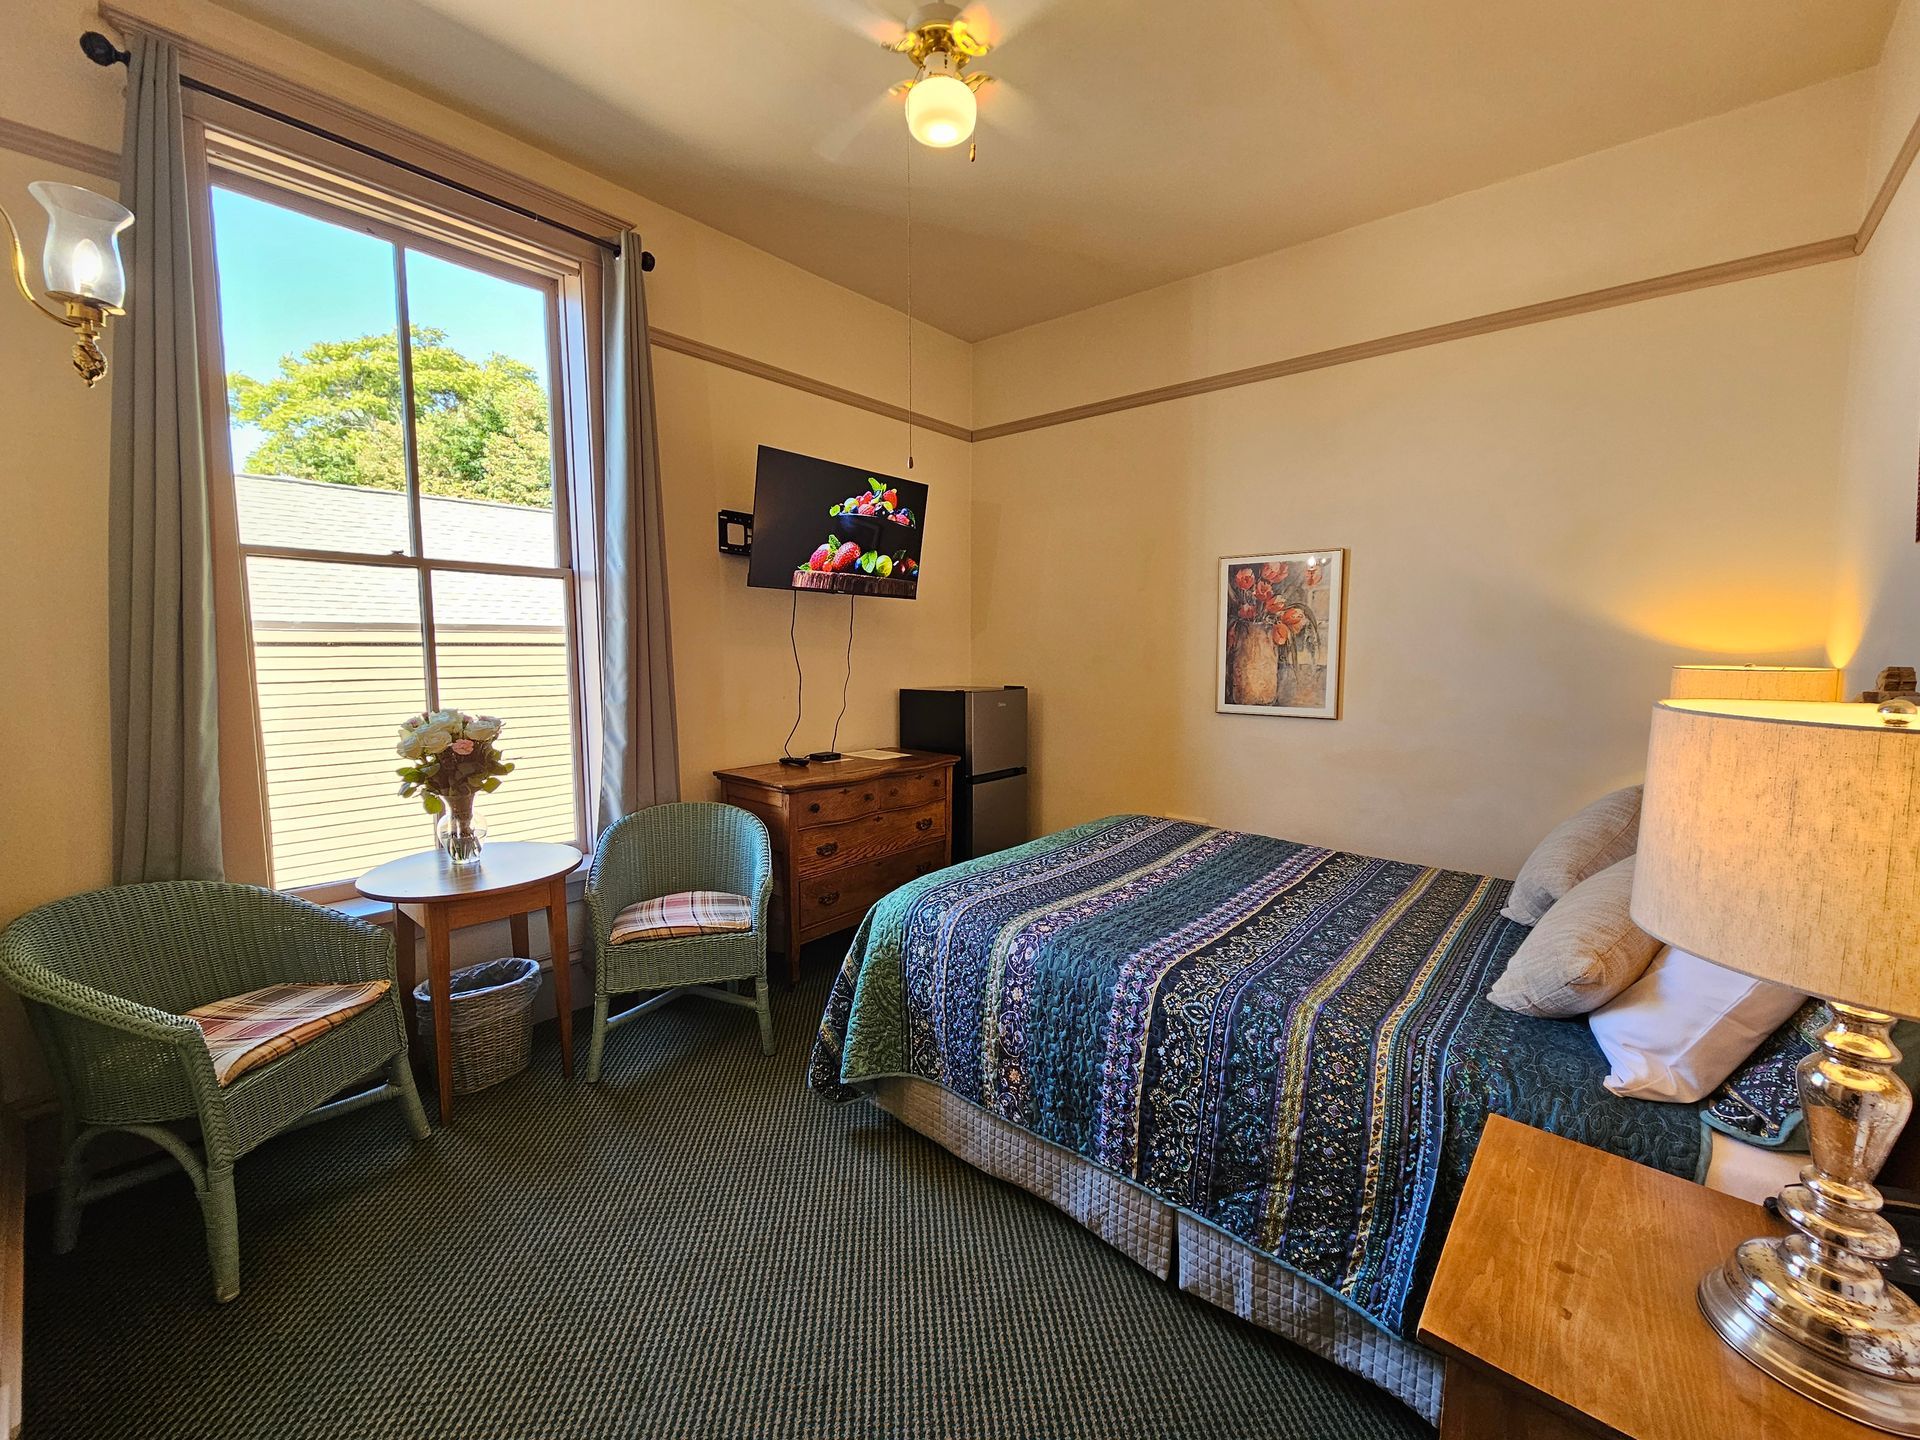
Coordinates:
1605	832
1585	952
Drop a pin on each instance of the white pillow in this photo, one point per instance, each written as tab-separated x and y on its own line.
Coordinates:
1684	1026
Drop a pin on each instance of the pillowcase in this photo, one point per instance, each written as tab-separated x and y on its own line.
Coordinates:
1760	1102
1684	1026
1603	834
1585	952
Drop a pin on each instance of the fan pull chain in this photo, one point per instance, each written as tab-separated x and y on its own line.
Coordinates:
911	142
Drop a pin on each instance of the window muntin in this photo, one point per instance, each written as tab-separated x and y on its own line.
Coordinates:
412	549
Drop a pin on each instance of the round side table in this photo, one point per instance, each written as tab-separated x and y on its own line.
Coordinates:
429	893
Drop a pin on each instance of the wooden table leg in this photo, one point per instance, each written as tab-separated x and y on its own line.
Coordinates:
439	972
517	927
404	931
562	967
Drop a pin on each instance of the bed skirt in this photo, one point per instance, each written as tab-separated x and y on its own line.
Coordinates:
1168	1242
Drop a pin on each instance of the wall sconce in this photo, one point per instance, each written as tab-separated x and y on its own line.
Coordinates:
81	264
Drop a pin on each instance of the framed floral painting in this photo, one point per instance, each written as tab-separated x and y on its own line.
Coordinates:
1281	631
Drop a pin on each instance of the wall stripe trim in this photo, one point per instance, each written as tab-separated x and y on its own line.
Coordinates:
793	379
1889	187
31	140
1820	252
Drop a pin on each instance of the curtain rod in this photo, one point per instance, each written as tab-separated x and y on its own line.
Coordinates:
104	52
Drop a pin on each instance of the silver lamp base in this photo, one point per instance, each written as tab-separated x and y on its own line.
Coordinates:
1784	1342
1812	1309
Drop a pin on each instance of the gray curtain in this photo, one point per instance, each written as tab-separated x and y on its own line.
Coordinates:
640	751
166	778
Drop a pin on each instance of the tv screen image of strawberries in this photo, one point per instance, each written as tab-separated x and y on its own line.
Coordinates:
821	525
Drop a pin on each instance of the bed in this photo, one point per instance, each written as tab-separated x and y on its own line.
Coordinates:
1257	1067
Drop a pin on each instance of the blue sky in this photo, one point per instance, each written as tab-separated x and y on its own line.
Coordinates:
288	280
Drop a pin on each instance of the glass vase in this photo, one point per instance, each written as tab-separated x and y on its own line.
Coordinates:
459	836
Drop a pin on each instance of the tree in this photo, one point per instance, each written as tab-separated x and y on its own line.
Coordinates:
333	414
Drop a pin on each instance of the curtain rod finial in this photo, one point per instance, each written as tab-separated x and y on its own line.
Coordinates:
646	260
102	51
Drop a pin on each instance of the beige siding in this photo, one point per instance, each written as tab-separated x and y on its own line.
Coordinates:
331	701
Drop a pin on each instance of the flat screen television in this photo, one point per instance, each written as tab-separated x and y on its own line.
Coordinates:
838	529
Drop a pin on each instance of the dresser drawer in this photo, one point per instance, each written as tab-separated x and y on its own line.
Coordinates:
833	847
838	898
885	792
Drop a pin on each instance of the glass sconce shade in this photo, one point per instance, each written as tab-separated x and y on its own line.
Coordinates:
82	256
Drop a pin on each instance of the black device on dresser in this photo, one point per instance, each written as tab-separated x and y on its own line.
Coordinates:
986	726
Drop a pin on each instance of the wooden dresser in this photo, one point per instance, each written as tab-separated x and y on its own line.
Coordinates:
845	832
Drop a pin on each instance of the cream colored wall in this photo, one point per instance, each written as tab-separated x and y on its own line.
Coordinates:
1540	521
1876	618
55	798
730	644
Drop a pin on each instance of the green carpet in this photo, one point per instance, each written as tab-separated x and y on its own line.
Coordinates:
699	1247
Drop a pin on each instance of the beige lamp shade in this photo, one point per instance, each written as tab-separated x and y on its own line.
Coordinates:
1755	682
1782	839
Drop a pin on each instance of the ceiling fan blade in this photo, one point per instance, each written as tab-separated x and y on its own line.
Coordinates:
835	144
996	20
1006	110
862	19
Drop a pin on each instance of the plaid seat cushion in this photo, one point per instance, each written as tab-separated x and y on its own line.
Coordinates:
690	912
244	1032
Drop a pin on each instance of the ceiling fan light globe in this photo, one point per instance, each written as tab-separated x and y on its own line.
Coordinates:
941	111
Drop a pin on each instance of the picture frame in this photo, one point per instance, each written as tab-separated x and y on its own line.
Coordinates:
1280	647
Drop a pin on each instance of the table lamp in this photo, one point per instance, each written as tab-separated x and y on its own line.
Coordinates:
1782	839
1755	682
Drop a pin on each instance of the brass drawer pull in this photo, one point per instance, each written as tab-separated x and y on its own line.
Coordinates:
924	826
827	849
829	897
814	808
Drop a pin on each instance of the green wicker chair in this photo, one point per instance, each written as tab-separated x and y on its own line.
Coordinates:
106	976
661	851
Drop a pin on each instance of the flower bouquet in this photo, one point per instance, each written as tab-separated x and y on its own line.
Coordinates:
452	757
1272	626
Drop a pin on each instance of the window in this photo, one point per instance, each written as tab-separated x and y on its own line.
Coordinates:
401	513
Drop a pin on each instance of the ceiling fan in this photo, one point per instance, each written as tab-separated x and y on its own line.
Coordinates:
941	108
942	41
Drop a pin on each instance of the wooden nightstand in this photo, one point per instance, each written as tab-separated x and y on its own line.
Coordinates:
1564	1305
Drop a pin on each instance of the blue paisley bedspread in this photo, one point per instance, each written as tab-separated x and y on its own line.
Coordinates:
1290	1043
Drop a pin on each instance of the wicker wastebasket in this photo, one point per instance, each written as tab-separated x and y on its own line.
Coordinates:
491	1009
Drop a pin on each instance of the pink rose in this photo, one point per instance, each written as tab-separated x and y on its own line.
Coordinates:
462	746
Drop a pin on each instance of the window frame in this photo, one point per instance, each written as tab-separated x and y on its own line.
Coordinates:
230	147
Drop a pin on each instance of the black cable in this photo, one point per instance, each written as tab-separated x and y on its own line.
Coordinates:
799	678
847	679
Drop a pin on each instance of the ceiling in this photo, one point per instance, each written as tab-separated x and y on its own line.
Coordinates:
1133	142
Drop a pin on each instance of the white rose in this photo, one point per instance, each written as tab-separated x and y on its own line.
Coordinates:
409	747
484	727
434	738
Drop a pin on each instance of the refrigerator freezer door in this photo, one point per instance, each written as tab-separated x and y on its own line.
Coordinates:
999	813
996	730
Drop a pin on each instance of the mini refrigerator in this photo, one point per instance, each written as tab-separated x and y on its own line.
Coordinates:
986	726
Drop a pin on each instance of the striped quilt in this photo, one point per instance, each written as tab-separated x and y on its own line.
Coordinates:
1288	1042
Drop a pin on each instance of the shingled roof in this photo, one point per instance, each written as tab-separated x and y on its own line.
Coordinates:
314	514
